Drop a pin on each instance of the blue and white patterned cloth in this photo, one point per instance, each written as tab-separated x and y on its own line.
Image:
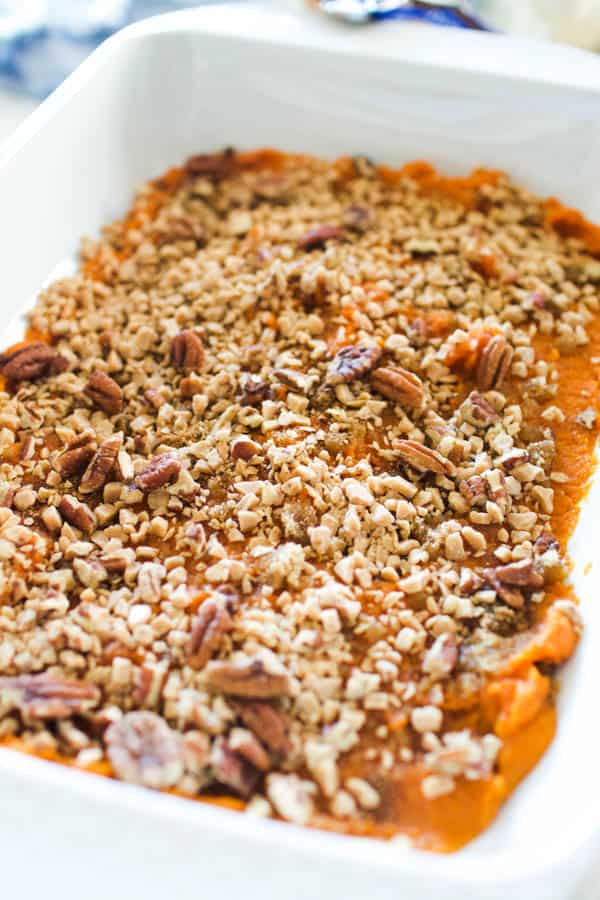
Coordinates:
41	41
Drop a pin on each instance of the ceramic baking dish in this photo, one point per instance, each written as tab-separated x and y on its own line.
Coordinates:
197	81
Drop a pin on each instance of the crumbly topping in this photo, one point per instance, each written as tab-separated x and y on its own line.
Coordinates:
271	493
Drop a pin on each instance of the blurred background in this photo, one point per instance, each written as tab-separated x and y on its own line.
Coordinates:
42	41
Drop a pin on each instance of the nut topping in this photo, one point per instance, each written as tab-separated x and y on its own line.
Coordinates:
143	750
246	679
74	461
104	393
102	464
423	458
187	350
47	697
399	385
232	769
77	514
267	723
523	573
212	165
208	628
494	363
244	448
317	237
351	363
161	470
31	362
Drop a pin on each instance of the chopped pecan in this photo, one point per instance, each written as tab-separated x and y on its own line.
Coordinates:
474	490
102	464
77	514
267	723
212	165
247	745
161	470
297	381
494	363
154	398
542	453
105	393
476	410
149	681
524	573
232	770
31	362
423	458
470	581
317	237
208	629
254	392
143	750
47	696
246	679
545	542
74	461
350	363
358	218
187	350
399	385
442	656
244	448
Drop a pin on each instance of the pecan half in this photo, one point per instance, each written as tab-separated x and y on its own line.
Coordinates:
399	385
102	464
161	470
267	723
187	350
213	165
247	745
232	770
31	362
317	237
494	363
423	458
476	410
143	750
246	679
47	696
75	459
104	392
77	514
208	629
350	363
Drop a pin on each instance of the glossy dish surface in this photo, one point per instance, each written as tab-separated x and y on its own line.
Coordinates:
289	471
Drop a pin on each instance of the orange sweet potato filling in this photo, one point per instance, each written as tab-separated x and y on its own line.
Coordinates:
516	703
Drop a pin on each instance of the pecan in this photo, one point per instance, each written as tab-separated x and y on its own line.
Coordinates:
423	458
247	745
317	237
523	573
187	350
474	489
267	723
244	448
399	385
350	363
494	363
512	596
47	697
208	628
31	362
154	398
297	381
232	770
254	392
212	165
149	681
143	750
545	542
470	581
74	461
442	656
358	218
77	514
477	411
104	392
102	464
246	679
512	458
161	470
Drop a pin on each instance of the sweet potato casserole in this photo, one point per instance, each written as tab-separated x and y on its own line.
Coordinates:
288	471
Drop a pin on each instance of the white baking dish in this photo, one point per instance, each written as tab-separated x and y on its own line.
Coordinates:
196	81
